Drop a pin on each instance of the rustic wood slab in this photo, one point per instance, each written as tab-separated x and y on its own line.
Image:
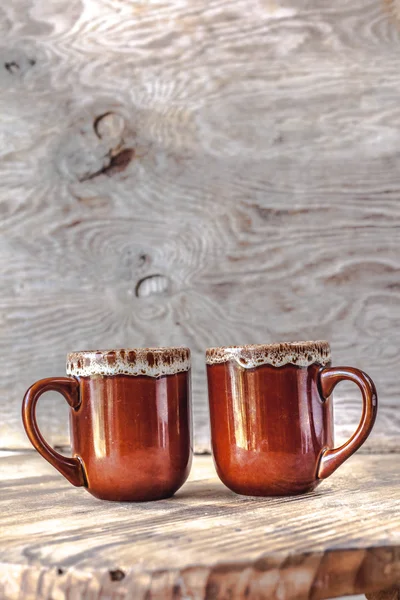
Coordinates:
57	542
199	173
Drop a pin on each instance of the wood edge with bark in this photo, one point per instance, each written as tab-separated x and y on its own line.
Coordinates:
312	575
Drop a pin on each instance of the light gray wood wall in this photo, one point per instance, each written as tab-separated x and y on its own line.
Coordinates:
199	173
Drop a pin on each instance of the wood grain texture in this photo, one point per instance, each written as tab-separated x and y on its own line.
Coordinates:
199	174
205	543
392	593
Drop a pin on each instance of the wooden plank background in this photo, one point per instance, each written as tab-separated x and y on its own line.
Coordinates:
199	173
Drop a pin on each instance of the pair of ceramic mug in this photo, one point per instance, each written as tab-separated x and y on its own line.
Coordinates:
270	408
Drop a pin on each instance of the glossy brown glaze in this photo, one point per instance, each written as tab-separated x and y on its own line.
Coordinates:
131	434
268	426
272	426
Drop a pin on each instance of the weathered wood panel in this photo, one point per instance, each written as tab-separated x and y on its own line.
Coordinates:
201	174
205	543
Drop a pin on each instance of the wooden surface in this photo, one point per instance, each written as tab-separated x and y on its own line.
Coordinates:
393	593
199	173
206	543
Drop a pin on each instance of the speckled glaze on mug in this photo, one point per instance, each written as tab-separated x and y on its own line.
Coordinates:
130	422
272	416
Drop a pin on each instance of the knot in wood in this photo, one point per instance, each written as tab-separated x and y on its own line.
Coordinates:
117	575
152	285
109	125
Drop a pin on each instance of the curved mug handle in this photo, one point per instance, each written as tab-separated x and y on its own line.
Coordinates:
329	377
68	387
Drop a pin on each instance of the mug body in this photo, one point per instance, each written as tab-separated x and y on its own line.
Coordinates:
269	424
132	429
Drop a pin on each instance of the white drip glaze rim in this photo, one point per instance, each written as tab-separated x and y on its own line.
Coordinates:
301	354
153	362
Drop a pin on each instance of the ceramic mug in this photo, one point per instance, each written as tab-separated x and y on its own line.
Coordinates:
272	416
130	422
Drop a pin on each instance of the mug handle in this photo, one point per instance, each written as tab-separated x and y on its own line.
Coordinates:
329	377
71	468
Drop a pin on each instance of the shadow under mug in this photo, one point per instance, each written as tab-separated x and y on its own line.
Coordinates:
130	422
272	416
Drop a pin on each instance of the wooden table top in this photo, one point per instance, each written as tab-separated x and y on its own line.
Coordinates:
59	542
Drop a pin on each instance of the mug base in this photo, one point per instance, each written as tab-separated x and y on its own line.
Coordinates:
132	498
273	492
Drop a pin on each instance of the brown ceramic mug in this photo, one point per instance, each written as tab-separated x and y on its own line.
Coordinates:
272	416
130	422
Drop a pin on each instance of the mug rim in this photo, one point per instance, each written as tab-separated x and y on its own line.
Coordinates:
302	354
150	361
